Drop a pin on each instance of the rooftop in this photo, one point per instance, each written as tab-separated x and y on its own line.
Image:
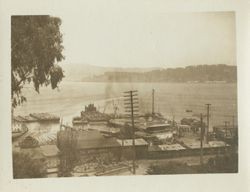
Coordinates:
217	143
211	144
129	142
196	145
171	147
166	135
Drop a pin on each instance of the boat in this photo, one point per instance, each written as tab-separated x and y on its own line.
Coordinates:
159	128
79	121
45	117
37	117
91	116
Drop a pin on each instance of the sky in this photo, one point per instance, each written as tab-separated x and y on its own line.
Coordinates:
125	38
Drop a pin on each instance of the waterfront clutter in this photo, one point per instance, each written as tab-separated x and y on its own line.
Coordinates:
91	116
100	144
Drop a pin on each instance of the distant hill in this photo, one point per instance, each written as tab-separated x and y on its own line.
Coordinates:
85	72
199	73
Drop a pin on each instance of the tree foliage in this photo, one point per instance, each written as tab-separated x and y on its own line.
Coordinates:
36	47
66	143
26	167
227	163
171	167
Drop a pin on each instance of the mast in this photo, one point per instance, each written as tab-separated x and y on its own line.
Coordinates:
153	101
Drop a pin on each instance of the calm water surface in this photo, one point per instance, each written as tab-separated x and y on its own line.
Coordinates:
171	99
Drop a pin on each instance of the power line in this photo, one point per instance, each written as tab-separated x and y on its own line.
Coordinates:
207	129
201	140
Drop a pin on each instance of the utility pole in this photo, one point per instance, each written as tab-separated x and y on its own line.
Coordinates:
233	121
201	139
12	118
226	123
207	129
132	107
61	121
153	101
173	121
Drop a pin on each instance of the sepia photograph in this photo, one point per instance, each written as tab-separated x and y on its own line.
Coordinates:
141	94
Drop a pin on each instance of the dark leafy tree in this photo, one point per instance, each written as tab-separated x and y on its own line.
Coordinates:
170	168
36	47
26	167
66	142
227	163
